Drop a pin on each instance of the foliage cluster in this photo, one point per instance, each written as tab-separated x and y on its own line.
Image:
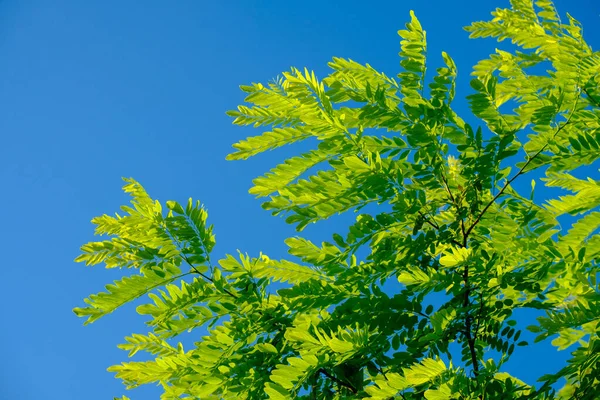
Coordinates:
453	224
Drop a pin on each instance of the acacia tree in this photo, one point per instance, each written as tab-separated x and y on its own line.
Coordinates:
447	219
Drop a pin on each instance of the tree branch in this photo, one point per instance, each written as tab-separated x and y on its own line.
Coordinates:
436	226
206	277
479	315
337	380
183	257
447	187
470	340
433	224
590	97
521	171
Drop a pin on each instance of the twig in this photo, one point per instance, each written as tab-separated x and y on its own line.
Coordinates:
470	341
433	224
521	171
479	314
206	277
447	187
590	97
337	380
421	314
183	257
436	226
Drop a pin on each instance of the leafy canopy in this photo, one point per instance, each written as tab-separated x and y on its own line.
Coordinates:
448	220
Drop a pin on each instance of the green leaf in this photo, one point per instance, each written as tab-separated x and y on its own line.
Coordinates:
356	164
267	348
442	393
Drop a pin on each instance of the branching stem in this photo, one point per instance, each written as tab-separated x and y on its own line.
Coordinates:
521	172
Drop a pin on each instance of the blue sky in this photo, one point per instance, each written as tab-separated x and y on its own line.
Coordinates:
93	91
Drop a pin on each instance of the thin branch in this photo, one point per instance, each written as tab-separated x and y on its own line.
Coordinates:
337	380
183	257
206	277
479	315
421	314
470	340
455	203
202	244
436	226
521	171
381	371
447	187
590	97
313	386
433	224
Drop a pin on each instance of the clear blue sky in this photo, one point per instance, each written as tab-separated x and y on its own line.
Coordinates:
95	90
